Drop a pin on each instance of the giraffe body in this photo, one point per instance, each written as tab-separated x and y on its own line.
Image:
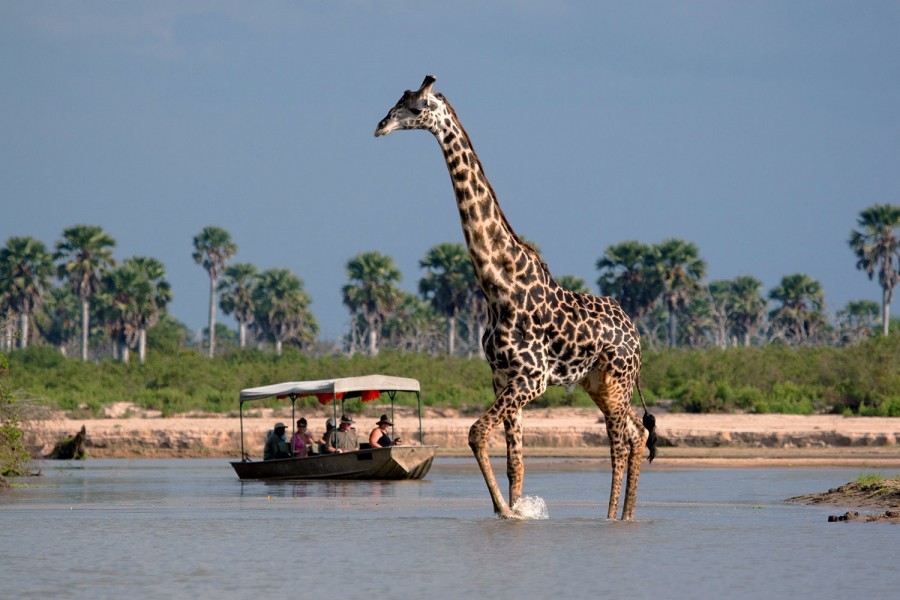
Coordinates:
539	334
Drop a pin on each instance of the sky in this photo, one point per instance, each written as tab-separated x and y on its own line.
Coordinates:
756	130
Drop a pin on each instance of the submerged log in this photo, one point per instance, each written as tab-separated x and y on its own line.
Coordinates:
70	447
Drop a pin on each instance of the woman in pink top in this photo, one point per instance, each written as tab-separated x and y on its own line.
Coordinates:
302	440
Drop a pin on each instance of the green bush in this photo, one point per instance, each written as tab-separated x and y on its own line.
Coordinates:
855	380
884	407
14	456
787	398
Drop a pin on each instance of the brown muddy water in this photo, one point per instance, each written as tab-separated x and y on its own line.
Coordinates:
187	528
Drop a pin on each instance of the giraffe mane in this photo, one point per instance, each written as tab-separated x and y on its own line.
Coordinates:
465	135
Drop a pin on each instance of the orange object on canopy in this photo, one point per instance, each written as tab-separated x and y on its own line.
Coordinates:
326	398
369	395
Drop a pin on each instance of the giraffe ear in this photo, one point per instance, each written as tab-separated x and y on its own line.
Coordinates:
426	85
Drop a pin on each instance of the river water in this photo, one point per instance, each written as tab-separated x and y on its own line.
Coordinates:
188	528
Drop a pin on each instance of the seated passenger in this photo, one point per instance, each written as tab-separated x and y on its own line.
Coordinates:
303	441
342	439
322	442
276	447
379	437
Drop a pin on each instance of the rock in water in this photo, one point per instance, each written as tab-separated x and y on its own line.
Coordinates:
69	448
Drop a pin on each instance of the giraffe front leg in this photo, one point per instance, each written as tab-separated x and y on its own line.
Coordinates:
515	467
478	436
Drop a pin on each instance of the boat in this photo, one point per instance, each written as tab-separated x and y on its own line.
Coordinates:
391	463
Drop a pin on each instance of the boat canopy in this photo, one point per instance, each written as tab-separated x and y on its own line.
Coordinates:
328	389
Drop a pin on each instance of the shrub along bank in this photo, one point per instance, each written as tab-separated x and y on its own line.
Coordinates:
863	380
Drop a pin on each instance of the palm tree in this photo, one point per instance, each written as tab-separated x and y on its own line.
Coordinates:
117	307
151	294
236	296
86	253
746	307
877	247
446	284
281	309
858	320
627	273
7	320
131	300
212	249
414	326
58	318
716	300
681	269
25	270
372	291
800	313
699	320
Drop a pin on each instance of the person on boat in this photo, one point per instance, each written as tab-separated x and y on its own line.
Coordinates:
322	441
379	437
342	439
276	447
303	441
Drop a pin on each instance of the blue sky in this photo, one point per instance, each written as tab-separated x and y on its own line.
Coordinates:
757	130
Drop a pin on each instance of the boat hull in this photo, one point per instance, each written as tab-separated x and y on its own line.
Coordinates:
393	463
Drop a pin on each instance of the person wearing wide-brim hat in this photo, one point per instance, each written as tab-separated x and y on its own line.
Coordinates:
379	437
342	439
276	447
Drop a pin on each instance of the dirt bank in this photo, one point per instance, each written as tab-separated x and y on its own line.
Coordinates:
560	432
876	494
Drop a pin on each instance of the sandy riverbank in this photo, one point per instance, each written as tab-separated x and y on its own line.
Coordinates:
708	439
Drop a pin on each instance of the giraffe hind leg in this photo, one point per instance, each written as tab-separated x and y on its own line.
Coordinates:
618	455
626	437
634	471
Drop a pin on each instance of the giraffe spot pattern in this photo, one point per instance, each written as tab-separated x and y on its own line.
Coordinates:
538	333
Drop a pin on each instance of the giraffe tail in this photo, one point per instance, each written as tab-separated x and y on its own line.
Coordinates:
649	422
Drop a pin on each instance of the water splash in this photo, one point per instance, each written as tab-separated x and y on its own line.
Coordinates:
530	507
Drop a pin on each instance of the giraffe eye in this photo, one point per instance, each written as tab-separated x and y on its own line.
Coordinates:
415	110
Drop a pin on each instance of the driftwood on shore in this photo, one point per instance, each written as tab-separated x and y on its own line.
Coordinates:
70	448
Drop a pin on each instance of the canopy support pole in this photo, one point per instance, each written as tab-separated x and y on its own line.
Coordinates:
243	454
293	422
391	394
421	435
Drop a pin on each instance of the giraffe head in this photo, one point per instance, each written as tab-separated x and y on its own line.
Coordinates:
414	110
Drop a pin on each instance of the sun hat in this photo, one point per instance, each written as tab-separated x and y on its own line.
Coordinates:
329	423
384	420
280	425
346	419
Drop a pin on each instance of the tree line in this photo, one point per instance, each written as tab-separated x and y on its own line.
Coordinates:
79	294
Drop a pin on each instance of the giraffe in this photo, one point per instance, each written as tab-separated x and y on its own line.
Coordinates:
538	333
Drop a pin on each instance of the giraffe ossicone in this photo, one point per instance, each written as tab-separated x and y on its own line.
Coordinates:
538	333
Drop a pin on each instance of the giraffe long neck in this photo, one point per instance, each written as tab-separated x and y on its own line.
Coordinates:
498	255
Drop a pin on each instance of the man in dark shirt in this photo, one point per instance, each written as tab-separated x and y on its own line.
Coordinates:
276	447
